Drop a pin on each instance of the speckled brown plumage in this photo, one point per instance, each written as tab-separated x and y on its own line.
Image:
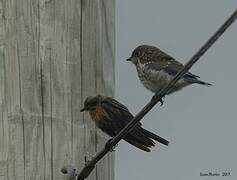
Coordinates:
155	69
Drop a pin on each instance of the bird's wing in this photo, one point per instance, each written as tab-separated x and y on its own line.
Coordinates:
162	61
116	112
115	104
118	116
171	67
160	56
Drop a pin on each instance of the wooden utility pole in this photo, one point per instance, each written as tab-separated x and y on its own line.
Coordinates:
53	54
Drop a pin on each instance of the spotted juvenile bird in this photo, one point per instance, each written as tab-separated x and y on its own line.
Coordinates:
155	69
111	117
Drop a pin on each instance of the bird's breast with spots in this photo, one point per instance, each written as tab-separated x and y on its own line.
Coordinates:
153	80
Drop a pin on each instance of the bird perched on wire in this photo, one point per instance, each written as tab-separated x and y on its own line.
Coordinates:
111	117
155	69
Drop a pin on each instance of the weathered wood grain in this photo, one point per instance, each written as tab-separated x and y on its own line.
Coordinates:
53	54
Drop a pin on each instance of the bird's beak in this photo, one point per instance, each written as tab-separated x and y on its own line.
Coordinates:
129	59
83	109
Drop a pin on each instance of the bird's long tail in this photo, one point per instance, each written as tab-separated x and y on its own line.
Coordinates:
202	82
143	139
138	145
155	137
191	78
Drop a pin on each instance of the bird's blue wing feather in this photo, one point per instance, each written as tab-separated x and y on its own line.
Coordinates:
171	67
116	111
118	116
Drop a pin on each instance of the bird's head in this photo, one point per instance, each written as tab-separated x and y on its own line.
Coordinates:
142	54
92	102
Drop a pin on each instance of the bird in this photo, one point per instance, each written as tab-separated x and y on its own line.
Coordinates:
156	69
111	117
69	172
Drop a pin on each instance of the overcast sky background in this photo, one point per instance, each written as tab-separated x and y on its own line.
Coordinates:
200	122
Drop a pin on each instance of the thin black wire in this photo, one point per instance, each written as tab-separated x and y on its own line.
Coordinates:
155	99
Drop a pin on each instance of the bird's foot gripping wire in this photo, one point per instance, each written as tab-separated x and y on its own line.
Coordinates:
161	100
108	145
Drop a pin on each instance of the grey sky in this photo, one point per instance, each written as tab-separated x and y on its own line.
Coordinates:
199	121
